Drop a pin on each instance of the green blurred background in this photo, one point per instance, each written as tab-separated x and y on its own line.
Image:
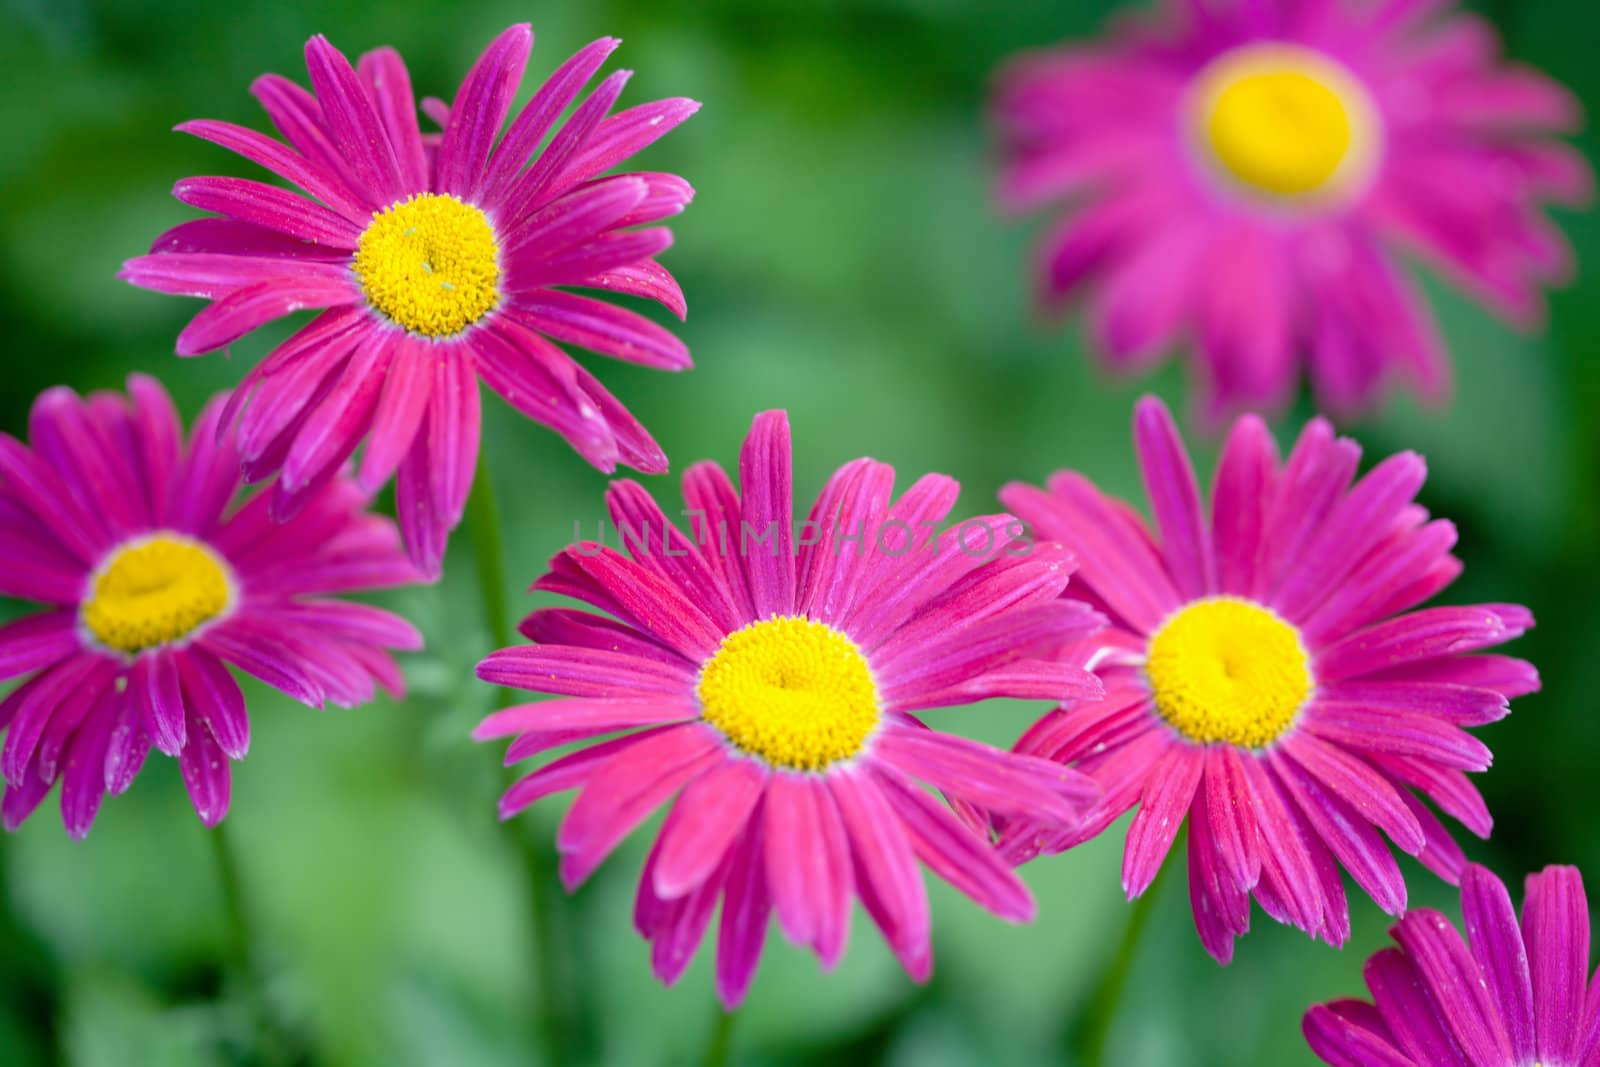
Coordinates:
843	260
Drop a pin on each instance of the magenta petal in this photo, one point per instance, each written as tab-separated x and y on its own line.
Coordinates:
746	908
1341	1042
532	124
1555	928
886	872
206	774
1174	499
216	699
1497	947
480	109
1163	806
708	818
352	121
407	386
953	852
326	186
624	790
244	309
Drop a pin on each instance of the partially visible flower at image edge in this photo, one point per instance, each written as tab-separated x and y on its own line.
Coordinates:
771	686
1511	995
439	258
1271	678
155	582
1241	180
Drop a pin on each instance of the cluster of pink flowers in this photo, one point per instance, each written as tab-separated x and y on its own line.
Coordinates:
1261	667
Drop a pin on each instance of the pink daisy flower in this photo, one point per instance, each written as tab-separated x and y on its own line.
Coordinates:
1243	176
1510	996
770	683
439	259
1267	677
154	584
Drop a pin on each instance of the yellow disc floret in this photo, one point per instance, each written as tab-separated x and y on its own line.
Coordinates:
1285	122
1228	670
155	591
430	264
793	691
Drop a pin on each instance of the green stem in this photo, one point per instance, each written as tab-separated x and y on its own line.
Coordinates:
1087	1037
721	1036
488	549
269	1043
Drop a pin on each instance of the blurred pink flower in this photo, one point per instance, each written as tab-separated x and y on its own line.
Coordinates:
1240	178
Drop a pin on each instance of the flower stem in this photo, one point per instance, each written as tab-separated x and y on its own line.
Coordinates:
721	1036
269	1043
488	549
1087	1036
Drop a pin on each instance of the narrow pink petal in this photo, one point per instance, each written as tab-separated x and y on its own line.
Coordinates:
1123	570
332	431
216	701
886	872
1496	940
321	183
1174	500
623	791
207	774
532	188
268	205
1420	635
83	783
453	430
158	691
746	907
385	74
245	309
36	641
708	819
600	327
588	672
533	123
1348	835
1164	804
1456	985
767	515
1555	928
570	771
407	387
1357	523
623	135
953	852
1221	908
353	122
1244	480
1230	813
1352	779
714	513
1288	876
807	864
1404	732
1004	783
480	109
653	540
1340	1042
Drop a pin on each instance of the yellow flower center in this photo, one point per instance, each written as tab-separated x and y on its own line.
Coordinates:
795	692
431	264
1228	670
1284	121
155	591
